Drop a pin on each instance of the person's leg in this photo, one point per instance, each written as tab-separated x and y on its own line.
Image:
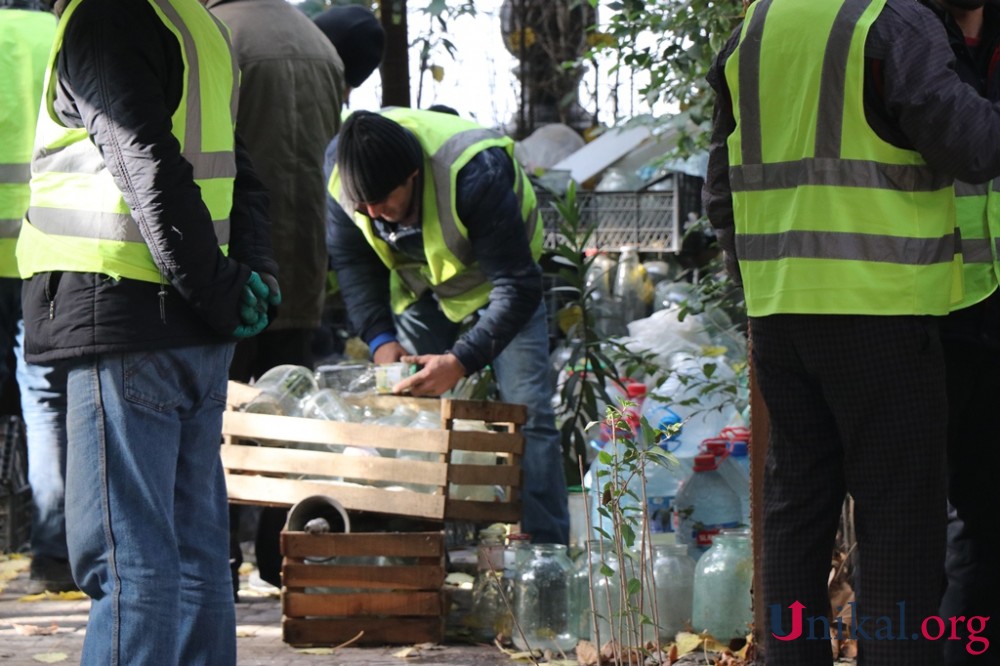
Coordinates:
973	550
885	381
130	552
803	492
207	631
43	406
423	329
523	377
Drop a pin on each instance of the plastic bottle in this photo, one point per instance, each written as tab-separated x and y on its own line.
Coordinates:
598	282
704	506
735	474
704	413
662	485
597	480
722	580
635	393
658	413
631	285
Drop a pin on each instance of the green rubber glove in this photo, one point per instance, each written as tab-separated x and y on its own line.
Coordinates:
274	292
250	330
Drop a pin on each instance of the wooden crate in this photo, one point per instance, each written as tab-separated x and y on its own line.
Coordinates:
279	474
396	601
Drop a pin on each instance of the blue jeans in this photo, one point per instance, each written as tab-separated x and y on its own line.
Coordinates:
523	377
43	406
146	512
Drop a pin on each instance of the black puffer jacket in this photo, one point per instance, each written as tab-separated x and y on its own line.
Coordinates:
120	76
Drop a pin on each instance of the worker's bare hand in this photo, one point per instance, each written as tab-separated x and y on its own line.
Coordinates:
440	373
390	352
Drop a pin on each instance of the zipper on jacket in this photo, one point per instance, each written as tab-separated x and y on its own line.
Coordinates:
49	297
162	293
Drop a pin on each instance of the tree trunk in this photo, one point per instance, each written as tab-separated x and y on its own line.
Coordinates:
395	67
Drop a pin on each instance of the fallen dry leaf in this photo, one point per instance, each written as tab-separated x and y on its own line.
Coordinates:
245	634
50	657
54	596
34	629
315	651
587	654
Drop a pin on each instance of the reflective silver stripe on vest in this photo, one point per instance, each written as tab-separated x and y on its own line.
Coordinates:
534	216
977	251
83	159
234	98
963	189
192	127
10	228
841	245
836	172
442	162
826	168
749	79
103	226
450	288
830	114
212	165
15	173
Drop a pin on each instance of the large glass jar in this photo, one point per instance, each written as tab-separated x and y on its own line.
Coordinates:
487	615
722	581
673	576
592	585
542	601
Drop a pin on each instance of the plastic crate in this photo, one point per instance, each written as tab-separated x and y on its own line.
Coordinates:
15	493
653	221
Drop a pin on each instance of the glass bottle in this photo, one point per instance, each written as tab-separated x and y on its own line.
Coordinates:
542	601
722	582
673	577
488	608
282	387
630	285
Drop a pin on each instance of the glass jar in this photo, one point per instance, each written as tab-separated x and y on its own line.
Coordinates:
282	388
591	586
542	601
722	581
673	576
517	552
486	617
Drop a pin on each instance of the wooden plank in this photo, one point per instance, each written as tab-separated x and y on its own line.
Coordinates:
290	428
404	577
363	604
483	512
500	442
279	460
485	475
273	491
388	544
374	631
484	410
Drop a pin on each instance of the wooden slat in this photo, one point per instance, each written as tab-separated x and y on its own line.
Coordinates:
388	544
362	604
272	491
485	475
482	410
279	460
499	442
396	631
290	428
404	577
483	512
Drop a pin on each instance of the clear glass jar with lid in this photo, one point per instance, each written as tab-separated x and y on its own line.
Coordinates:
542	598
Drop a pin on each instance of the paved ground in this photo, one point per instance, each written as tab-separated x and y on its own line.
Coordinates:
62	625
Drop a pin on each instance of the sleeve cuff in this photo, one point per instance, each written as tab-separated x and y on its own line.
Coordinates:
380	340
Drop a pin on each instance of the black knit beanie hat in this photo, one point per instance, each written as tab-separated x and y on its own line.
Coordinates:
375	155
358	38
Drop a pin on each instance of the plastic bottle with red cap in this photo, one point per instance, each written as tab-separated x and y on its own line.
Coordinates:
704	506
726	453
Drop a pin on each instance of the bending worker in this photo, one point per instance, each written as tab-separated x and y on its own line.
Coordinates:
445	227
